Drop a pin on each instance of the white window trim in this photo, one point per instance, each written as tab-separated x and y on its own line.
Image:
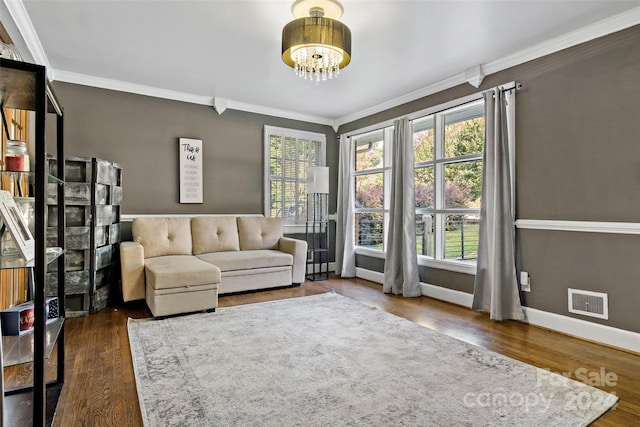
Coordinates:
438	164
266	178
450	265
386	183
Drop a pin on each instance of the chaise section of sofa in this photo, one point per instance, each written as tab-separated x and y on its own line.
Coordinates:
160	267
180	284
183	254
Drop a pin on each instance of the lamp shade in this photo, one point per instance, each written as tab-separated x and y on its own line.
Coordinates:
318	180
315	44
316	32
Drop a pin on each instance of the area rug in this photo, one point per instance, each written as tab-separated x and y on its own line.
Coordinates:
327	360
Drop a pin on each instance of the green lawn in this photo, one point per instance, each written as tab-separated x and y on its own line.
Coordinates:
453	243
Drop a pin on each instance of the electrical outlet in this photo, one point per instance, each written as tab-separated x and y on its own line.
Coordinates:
525	281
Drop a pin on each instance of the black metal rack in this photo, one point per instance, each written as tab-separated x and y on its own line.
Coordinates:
25	86
317	237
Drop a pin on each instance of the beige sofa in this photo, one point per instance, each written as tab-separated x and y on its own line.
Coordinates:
180	265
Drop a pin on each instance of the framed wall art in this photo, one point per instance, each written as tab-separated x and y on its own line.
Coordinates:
190	152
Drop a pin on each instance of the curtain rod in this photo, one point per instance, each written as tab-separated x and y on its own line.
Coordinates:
516	86
432	110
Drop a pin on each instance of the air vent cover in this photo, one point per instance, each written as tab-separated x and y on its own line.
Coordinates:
587	303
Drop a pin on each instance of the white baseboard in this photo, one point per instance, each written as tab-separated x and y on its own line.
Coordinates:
372	276
567	325
583	329
449	295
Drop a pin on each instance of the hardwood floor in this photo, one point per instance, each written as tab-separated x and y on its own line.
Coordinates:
100	387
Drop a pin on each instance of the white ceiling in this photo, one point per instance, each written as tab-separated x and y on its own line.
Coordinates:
231	49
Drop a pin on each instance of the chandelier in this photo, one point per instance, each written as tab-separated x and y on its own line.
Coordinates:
315	44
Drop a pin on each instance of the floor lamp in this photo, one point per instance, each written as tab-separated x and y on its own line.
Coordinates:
317	231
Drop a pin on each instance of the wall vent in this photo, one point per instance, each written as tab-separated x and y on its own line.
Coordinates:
587	303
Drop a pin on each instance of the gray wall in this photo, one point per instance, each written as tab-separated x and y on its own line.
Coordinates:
578	158
141	134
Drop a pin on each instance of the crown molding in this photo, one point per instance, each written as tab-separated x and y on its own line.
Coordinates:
445	84
581	35
28	32
474	76
599	29
99	82
219	104
268	111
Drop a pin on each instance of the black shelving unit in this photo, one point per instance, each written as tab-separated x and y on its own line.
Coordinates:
24	86
317	237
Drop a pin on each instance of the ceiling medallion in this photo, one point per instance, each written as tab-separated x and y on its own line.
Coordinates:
315	44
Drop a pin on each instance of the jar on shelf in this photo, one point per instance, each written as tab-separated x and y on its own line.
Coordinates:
16	157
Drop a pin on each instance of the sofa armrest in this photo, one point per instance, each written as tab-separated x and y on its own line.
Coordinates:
298	249
132	269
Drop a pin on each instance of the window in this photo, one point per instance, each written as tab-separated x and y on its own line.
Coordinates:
372	173
448	182
448	146
288	154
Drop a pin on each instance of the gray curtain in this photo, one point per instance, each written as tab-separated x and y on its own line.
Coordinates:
496	286
401	258
345	246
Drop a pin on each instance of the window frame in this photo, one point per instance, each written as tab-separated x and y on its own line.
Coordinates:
438	163
387	140
284	133
450	265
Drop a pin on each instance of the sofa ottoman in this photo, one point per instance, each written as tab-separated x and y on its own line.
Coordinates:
180	284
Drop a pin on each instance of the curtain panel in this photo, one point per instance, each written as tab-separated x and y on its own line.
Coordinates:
345	245
496	286
401	258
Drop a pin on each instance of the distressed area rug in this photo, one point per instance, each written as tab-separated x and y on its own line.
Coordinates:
327	360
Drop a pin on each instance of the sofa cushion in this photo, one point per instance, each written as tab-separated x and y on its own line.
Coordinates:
246	260
214	234
175	271
259	232
163	236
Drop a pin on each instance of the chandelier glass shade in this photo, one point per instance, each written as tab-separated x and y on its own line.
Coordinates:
316	47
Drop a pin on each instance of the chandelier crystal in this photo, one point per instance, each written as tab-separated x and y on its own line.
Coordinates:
316	46
321	62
